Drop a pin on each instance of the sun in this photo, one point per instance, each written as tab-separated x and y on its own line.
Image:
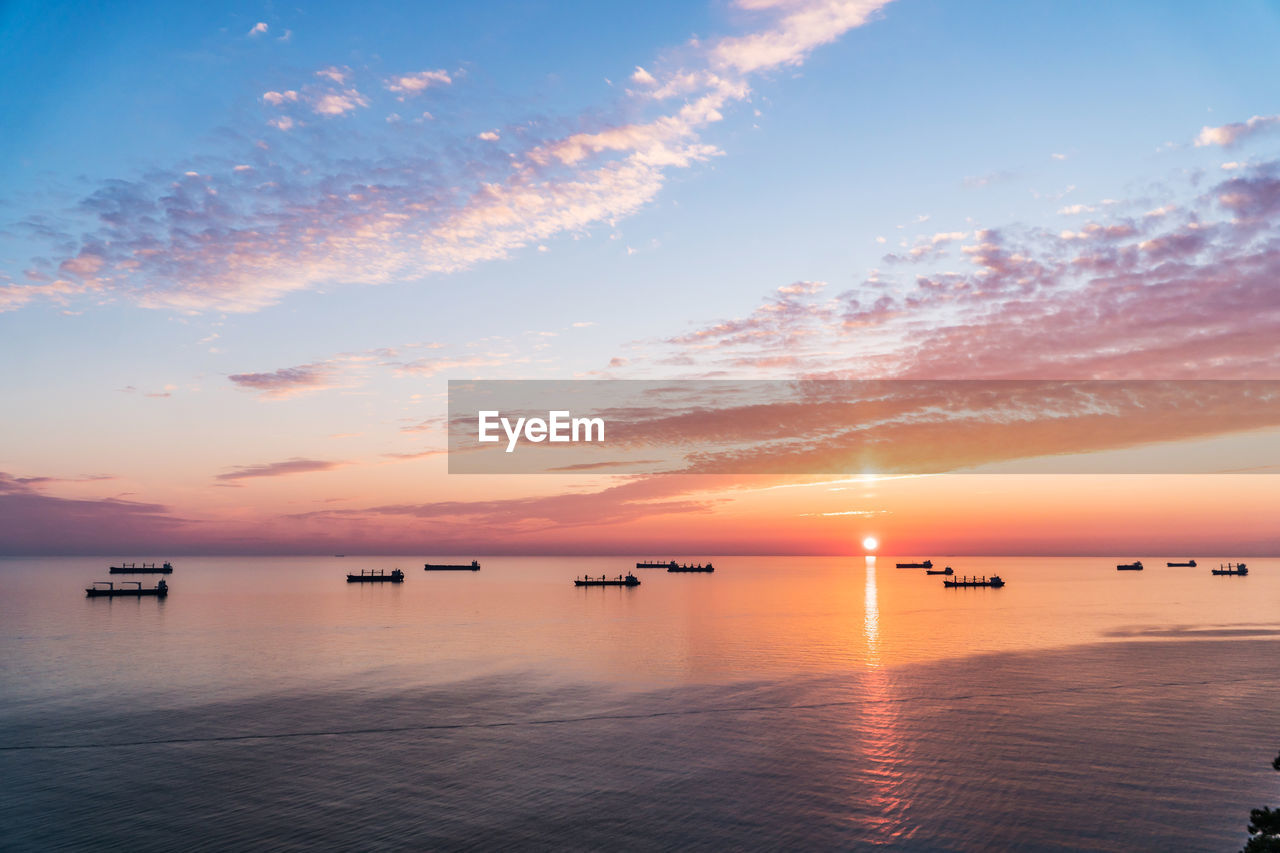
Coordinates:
870	543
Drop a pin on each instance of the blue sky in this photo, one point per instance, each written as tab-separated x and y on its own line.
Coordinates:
230	232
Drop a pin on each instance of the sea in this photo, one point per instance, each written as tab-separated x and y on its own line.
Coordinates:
794	703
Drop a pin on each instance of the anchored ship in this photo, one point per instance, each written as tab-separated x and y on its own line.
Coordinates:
927	564
1231	569
947	571
376	576
1191	563
144	569
655	564
1135	566
993	581
108	589
587	580
473	566
691	568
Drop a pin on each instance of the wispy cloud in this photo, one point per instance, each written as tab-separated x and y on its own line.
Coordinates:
287	381
280	469
409	85
1186	286
42	481
782	323
238	241
647	498
431	366
1227	135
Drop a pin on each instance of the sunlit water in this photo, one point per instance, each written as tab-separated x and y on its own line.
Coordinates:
779	702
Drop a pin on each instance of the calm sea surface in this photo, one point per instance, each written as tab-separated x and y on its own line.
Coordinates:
797	703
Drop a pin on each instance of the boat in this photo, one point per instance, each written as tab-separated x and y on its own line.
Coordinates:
473	566
1190	563
376	576
947	571
1135	566
655	564
587	580
993	581
687	567
1231	569
927	564
108	589
144	569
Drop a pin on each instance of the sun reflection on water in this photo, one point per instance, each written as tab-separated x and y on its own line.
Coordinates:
871	617
881	740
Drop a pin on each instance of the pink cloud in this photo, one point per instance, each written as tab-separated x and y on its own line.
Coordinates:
276	99
782	320
280	469
334	74
337	103
1185	293
1227	135
287	381
788	40
408	85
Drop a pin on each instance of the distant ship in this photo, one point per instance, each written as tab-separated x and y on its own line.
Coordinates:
690	568
655	564
108	589
473	566
629	580
376	576
1130	567
1191	563
927	564
947	571
1236	569
993	581
144	569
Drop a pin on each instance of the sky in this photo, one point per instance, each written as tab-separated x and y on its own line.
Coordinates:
244	247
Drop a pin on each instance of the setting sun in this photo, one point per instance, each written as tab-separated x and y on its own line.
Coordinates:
869	543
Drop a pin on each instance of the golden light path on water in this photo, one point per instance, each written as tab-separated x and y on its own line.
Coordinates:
879	725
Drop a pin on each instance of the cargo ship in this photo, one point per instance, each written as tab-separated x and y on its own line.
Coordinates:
473	566
629	580
993	581
927	564
691	568
1231	569
133	589
1135	566
655	564
947	571
1188	563
376	576
143	569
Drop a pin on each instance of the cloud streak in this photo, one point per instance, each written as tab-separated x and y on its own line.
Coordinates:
287	381
280	469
